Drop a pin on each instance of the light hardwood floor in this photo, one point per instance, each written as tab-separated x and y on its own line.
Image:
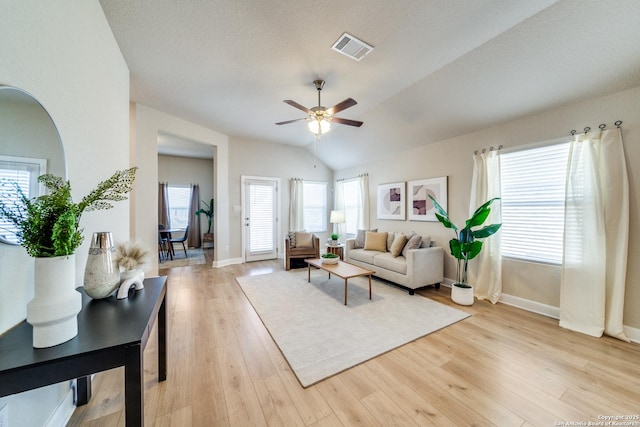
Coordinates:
502	366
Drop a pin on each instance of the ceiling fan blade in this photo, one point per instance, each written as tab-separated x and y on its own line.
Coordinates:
349	102
355	123
291	121
298	106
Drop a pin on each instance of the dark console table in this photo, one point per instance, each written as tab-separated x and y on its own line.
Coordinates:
111	333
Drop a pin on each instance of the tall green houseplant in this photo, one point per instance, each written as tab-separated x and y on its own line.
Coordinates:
49	225
464	246
208	212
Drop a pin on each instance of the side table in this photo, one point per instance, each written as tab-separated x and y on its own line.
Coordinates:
337	250
111	333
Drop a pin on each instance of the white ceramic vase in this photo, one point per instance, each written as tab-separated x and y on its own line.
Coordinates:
54	309
462	296
101	274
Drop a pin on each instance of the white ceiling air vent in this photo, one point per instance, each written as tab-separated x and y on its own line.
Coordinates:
352	47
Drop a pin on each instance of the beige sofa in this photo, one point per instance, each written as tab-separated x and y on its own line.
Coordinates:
420	267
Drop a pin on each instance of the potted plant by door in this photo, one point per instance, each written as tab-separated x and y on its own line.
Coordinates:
48	228
208	212
465	246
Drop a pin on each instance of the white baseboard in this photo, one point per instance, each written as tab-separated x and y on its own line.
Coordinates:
533	306
546	310
226	262
63	412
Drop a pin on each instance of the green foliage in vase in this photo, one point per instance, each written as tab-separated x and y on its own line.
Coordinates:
465	246
335	236
48	225
329	255
208	212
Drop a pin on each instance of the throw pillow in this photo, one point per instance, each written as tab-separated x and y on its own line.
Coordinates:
426	242
292	239
390	238
413	243
359	243
375	241
398	243
304	240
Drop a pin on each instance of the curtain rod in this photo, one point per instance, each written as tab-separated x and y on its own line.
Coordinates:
348	179
601	127
484	150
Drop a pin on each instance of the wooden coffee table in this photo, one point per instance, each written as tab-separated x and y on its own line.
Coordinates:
344	270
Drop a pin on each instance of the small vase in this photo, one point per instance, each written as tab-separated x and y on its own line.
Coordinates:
101	275
54	309
462	296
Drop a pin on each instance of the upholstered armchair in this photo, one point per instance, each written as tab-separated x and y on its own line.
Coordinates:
300	245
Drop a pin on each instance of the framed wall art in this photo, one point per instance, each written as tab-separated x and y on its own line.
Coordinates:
420	205
391	201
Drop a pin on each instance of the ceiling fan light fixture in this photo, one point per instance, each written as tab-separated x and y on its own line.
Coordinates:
319	126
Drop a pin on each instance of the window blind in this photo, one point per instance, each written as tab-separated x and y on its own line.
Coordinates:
533	193
261	200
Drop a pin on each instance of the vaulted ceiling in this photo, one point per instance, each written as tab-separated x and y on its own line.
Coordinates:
439	68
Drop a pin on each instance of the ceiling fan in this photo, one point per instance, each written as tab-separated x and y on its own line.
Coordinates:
320	118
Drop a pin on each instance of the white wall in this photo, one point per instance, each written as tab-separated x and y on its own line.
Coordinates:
257	158
453	158
65	55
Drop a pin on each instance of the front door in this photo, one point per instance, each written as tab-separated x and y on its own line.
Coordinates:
260	218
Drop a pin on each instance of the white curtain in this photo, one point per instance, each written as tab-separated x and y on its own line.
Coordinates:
363	211
596	235
296	205
338	205
485	271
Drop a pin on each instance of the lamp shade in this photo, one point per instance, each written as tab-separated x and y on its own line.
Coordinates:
337	217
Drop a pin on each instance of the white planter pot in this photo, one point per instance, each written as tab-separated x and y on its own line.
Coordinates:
462	296
329	261
54	309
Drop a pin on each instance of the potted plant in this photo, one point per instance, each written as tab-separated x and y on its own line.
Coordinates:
465	246
334	239
48	228
329	258
208	237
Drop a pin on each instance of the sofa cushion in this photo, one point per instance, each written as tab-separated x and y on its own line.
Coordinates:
413	243
374	241
398	243
359	243
363	255
389	262
304	240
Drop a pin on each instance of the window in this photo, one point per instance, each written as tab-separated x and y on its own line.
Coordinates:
533	192
315	206
352	205
23	171
179	198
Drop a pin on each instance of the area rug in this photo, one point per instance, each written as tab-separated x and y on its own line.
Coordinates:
194	257
320	336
